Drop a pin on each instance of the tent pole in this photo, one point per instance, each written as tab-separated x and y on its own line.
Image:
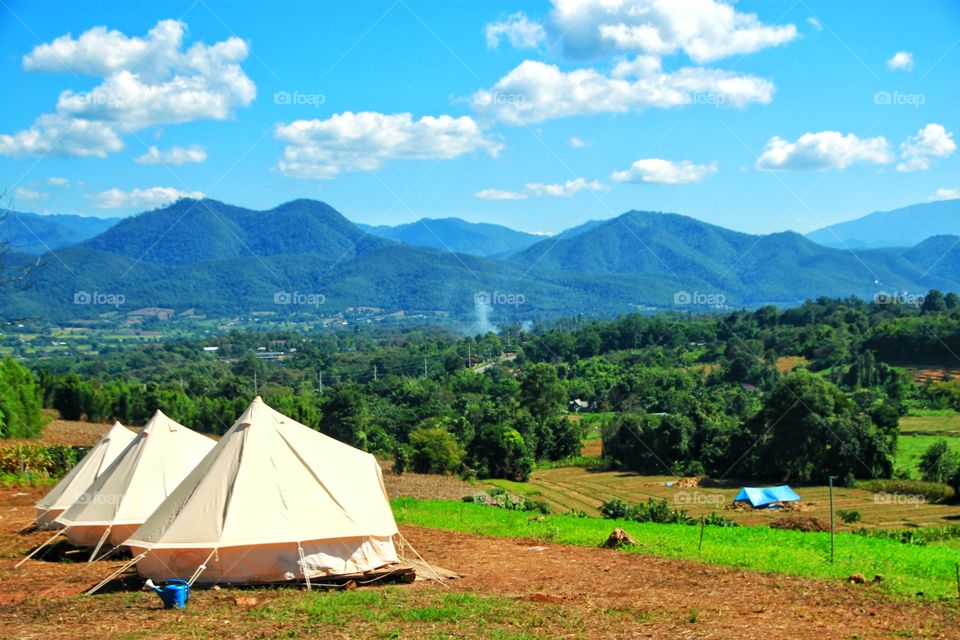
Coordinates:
115	574
109	552
103	539
34	552
201	568
303	566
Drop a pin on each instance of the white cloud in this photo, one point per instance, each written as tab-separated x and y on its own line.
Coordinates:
500	194
813	22
564	190
145	82
29	194
705	30
823	150
946	194
173	155
140	198
901	61
577	143
520	32
917	152
535	91
542	189
660	171
58	182
364	141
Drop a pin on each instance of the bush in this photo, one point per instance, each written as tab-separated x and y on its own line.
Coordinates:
931	491
48	460
435	450
402	458
498	497
714	520
938	463
849	517
913	536
652	510
615	509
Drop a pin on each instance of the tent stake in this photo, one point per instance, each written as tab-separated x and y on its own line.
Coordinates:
115	574
34	552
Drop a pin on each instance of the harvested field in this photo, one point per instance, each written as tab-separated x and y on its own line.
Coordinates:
583	489
424	485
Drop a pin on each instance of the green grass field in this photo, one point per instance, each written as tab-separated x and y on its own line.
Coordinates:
921	429
907	569
391	612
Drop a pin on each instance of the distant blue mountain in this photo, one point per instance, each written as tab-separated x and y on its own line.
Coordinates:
458	236
902	227
35	233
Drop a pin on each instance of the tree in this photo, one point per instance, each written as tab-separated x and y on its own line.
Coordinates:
21	401
345	416
649	443
499	451
934	302
815	430
541	392
435	450
938	463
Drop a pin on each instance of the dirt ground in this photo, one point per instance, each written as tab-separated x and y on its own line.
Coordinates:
610	594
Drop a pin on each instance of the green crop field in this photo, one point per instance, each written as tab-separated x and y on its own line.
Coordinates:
906	569
920	430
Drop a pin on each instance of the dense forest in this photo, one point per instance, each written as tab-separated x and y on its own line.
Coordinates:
794	394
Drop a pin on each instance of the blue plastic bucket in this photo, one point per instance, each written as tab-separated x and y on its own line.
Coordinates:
175	594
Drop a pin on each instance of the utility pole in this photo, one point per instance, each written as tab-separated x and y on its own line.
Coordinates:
321	381
424	366
469	356
255	388
374	373
832	529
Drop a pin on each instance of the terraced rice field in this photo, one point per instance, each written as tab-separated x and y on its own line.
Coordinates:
585	490
917	433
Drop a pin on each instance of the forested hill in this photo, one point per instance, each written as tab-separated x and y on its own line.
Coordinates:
794	394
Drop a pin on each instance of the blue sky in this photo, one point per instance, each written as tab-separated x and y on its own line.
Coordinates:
758	116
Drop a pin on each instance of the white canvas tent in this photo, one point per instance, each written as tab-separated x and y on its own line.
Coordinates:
274	501
127	492
72	486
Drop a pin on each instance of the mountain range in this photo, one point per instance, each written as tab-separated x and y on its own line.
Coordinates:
902	227
457	236
34	233
304	258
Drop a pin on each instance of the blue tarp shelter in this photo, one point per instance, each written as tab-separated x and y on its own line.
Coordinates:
766	496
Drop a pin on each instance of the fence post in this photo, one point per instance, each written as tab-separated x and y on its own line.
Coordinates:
833	529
